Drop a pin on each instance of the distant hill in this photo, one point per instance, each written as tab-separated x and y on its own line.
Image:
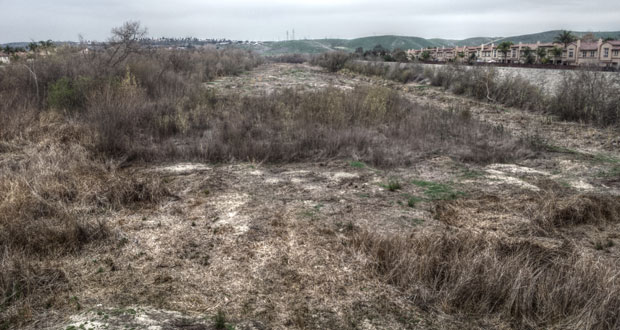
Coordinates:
548	36
465	42
314	46
391	42
25	44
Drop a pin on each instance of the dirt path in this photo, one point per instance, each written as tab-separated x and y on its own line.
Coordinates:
271	77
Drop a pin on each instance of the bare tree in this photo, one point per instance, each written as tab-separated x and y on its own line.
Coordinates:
124	41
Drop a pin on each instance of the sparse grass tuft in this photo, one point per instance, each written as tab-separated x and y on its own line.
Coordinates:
220	321
358	164
437	191
392	185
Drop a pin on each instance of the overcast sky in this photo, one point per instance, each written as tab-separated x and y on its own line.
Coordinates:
24	20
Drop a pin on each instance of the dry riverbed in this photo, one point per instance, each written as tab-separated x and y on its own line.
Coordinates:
261	246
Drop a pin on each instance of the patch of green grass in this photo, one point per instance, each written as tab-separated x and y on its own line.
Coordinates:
76	302
564	183
558	149
221	322
121	311
392	185
600	245
413	200
596	158
349	226
438	191
357	164
308	214
602	158
470	174
312	213
417	221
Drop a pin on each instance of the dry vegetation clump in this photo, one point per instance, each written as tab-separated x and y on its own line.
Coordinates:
67	120
587	96
374	124
404	73
54	195
484	84
581	209
289	58
65	81
484	276
332	61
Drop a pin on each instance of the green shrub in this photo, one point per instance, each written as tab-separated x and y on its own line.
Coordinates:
332	61
68	94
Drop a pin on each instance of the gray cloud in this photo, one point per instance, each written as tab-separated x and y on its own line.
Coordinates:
269	19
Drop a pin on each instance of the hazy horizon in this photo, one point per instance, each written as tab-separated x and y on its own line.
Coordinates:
64	20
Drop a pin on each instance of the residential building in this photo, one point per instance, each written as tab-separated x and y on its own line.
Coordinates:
4	58
599	53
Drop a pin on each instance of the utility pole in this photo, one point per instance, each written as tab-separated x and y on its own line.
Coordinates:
293	34
286	35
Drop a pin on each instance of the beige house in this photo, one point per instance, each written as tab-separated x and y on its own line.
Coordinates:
4	58
604	54
610	54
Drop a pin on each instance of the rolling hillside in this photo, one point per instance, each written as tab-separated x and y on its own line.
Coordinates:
389	42
403	42
548	36
314	46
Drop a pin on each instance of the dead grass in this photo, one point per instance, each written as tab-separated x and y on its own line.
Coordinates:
404	73
54	197
374	124
579	209
332	61
483	276
61	177
587	96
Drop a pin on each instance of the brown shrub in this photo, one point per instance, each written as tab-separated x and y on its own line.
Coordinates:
332	61
582	209
485	84
403	73
587	96
482	276
375	124
290	58
54	196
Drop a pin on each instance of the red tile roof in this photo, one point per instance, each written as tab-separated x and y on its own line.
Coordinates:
588	46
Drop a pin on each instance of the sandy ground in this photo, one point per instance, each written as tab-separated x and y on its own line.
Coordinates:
266	245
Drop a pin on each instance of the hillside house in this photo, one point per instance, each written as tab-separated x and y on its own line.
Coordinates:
4	58
599	53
